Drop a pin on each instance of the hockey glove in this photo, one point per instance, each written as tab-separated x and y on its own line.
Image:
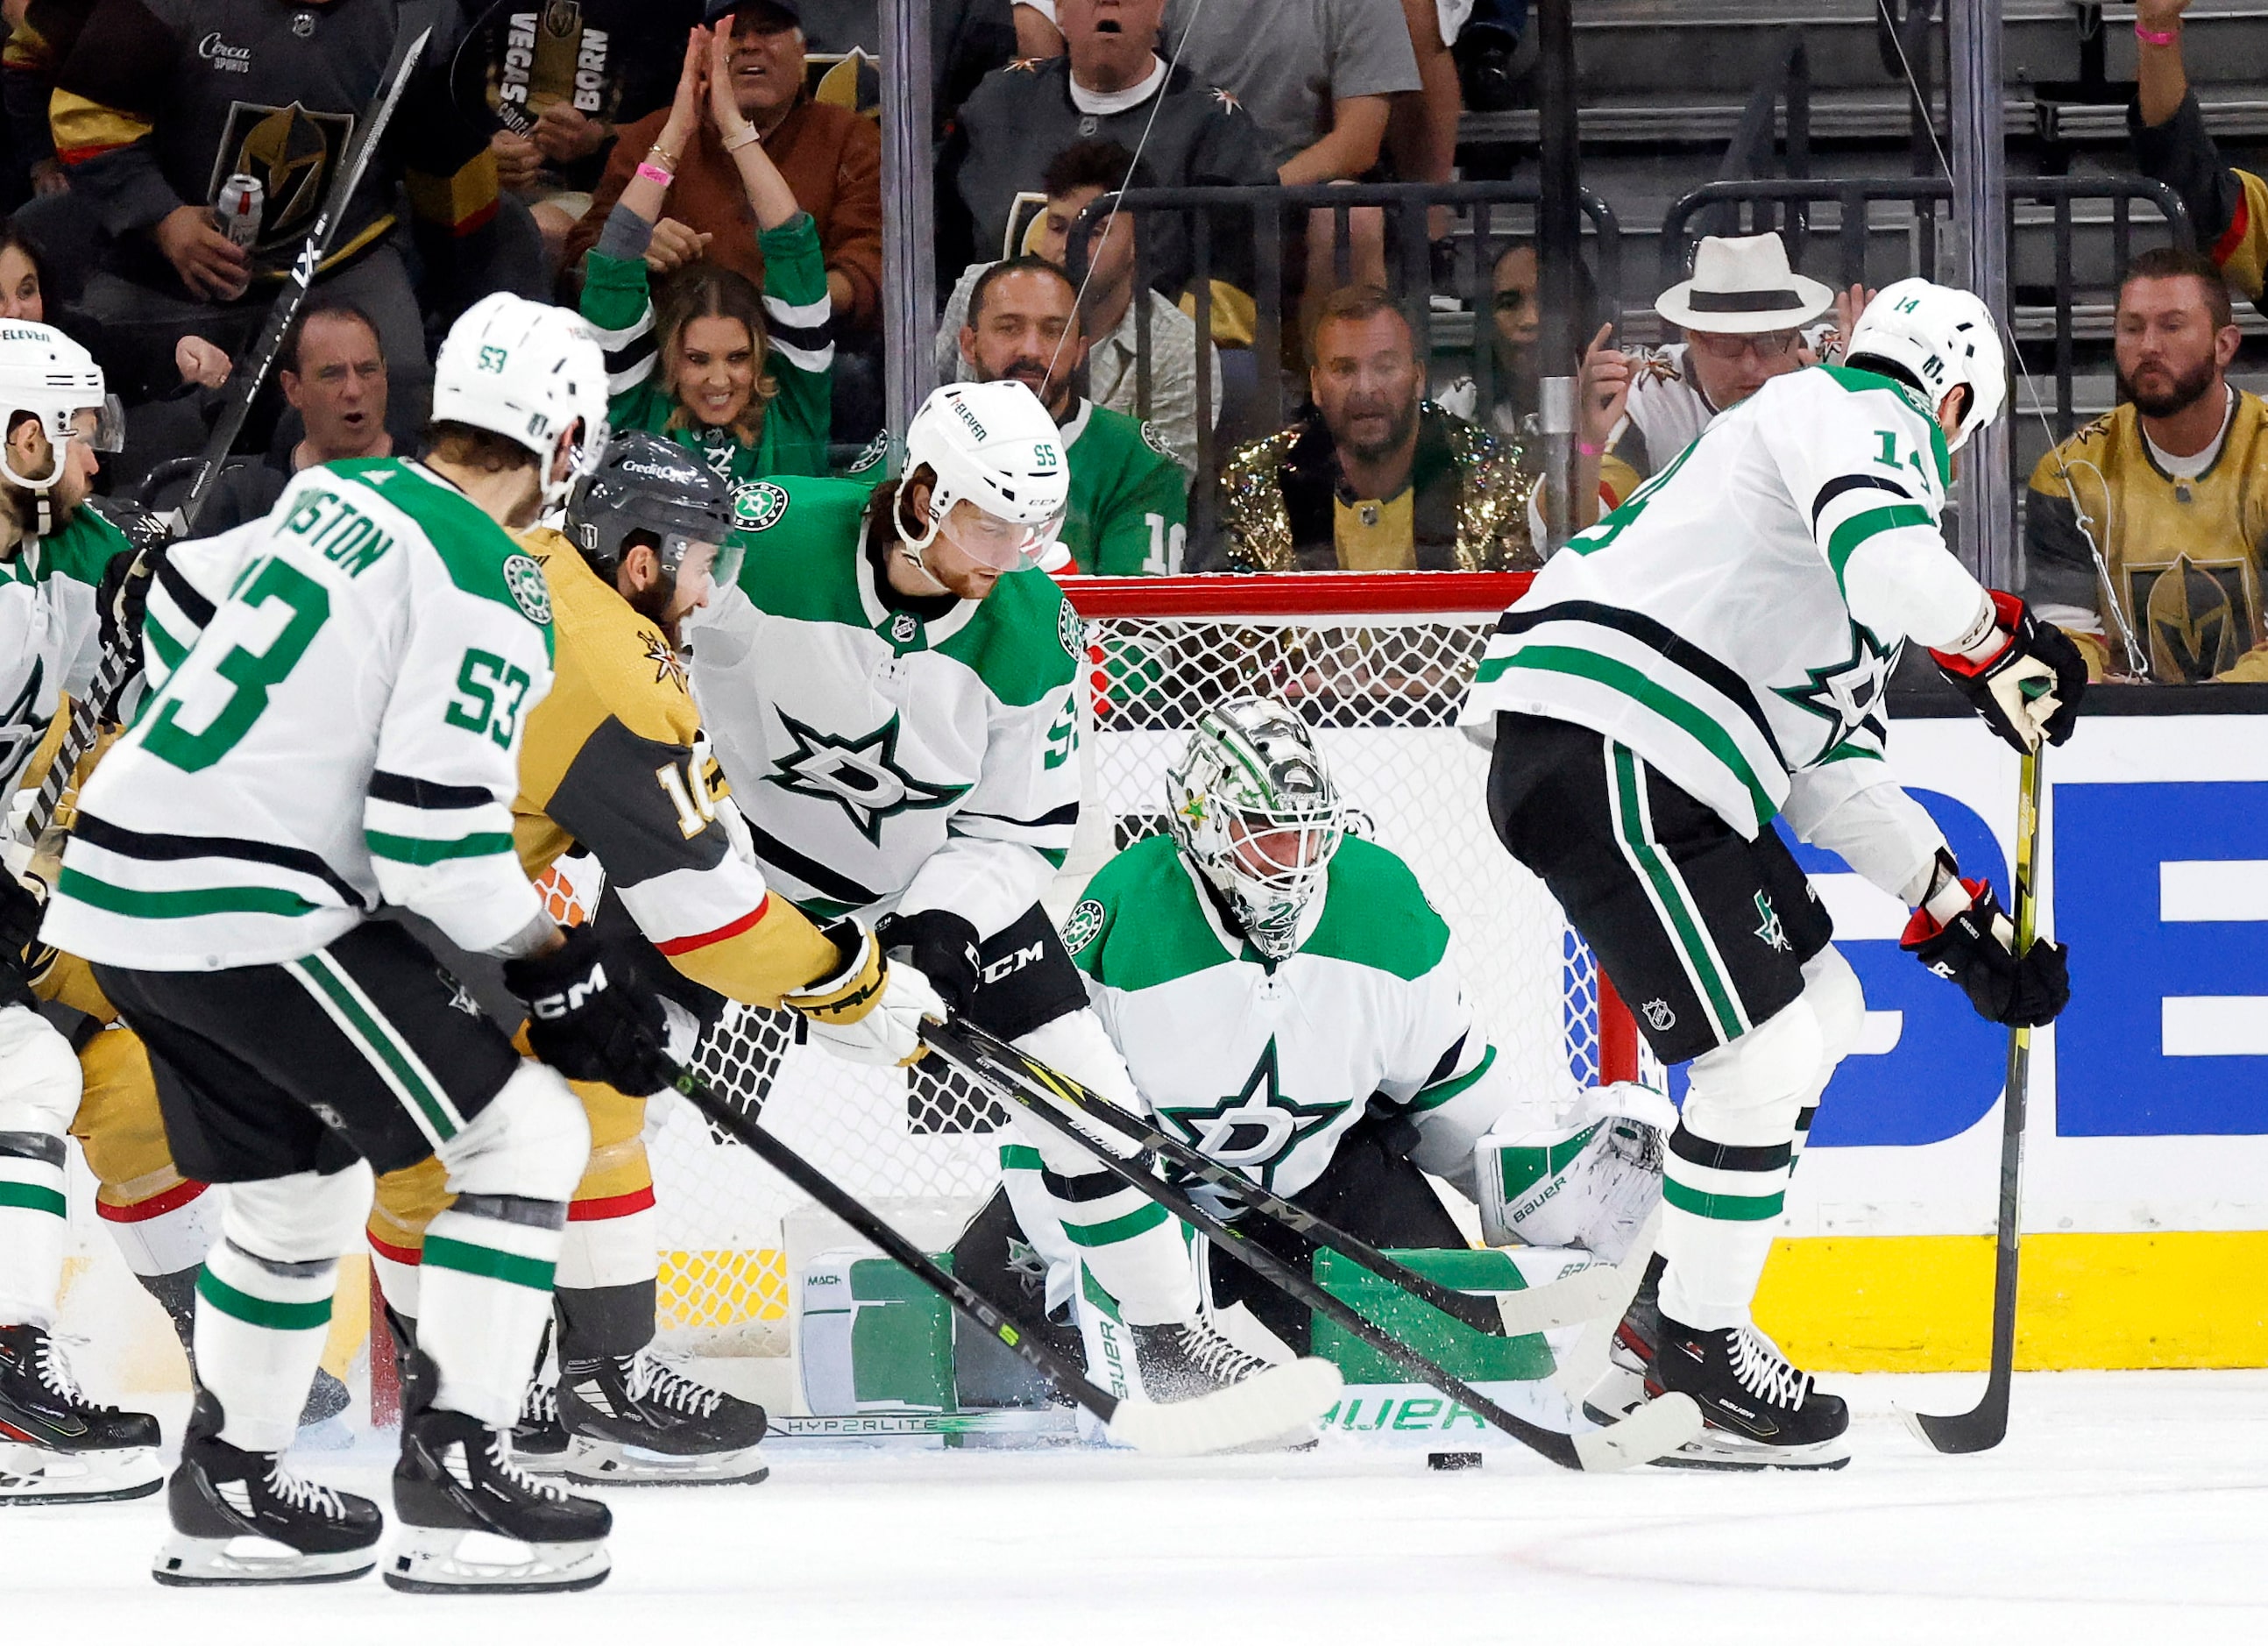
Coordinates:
2025	678
1975	949
870	1010
20	909
943	948
122	597
588	1018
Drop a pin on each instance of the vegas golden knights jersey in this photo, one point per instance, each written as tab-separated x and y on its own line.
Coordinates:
2184	556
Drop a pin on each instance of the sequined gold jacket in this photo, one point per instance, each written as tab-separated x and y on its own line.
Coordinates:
1470	510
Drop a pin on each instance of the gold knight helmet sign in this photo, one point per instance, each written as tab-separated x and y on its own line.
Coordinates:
292	152
2194	615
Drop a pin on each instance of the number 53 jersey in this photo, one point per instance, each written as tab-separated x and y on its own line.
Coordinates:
345	729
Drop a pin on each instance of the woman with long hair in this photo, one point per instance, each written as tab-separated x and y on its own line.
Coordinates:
737	375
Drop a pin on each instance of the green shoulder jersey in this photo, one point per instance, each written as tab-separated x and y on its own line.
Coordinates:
1130	506
888	754
793	438
48	643
1266	1067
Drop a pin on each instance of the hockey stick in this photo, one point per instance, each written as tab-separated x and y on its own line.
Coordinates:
1569	1301
111	677
1658	1427
1286	1398
1980	1427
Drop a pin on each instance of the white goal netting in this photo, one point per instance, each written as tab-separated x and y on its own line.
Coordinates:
1382	692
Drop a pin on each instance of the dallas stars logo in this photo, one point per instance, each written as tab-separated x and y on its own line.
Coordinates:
1770	927
861	774
1849	694
667	665
1256	1130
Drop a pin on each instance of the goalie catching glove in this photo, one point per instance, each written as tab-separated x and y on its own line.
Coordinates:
870	1010
1976	948
587	1018
2023	676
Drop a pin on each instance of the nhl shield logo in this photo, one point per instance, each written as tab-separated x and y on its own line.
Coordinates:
523	580
1084	926
758	506
904	629
1659	1015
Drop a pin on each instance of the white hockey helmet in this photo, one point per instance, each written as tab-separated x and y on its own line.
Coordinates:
44	374
994	445
1945	337
1255	811
530	373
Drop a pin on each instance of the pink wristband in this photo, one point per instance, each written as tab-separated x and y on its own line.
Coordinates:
2154	37
653	174
1589	450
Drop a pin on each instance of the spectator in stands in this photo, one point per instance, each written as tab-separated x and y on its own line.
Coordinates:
1109	83
1374	478
1036	33
830	157
1421	131
41	36
1129	501
1741	316
152	115
1076	177
967	39
1319	76
2229	208
2171	488
23	276
737	375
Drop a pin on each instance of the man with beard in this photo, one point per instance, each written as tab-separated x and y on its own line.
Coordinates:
2170	489
1373	478
1129	513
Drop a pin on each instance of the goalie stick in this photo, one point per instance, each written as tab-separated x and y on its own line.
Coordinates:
1569	1301
112	676
1277	1402
1655	1428
1983	1427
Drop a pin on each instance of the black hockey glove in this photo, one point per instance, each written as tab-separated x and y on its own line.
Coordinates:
121	599
2030	686
943	949
20	909
1973	949
588	1018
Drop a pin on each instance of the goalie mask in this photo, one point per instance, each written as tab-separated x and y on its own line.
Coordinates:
44	374
1257	814
648	486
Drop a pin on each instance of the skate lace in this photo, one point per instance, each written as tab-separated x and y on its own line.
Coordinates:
501	1462
55	1372
657	1382
295	1491
539	1403
1765	1372
1215	1356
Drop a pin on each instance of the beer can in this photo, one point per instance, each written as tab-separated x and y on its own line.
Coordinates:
241	199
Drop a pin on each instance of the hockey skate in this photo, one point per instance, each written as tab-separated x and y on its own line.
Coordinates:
233	1510
1761	1413
634	1420
1621	1388
456	1479
1181	1360
538	1440
56	1446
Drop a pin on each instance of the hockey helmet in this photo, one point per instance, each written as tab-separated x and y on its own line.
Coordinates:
994	445
530	373
46	375
1255	811
646	484
1944	338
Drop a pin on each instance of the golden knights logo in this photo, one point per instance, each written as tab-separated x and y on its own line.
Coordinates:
2197	616
292	152
537	58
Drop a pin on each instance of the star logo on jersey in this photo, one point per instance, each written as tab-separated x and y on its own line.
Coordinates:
1770	928
523	580
1256	1130
1849	695
1026	1264
758	505
667	665
861	774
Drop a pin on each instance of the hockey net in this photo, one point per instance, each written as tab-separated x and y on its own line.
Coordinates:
1377	665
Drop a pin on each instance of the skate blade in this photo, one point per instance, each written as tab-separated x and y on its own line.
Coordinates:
1657	1429
590	1462
540	1462
33	1476
1272	1406
1715	1448
432	1561
187	1562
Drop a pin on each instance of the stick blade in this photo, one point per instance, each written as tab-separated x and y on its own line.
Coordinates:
1653	1430
1572	1300
1281	1401
1957	1434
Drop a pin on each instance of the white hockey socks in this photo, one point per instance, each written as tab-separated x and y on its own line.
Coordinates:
261	1324
39	1087
485	1294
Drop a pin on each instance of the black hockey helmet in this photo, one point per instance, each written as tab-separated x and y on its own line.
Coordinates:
646	484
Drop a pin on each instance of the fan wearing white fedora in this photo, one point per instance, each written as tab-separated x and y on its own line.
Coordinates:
1743	315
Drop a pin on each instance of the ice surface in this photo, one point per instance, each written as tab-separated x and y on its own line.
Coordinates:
2127	1507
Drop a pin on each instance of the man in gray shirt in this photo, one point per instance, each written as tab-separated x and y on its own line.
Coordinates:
1317	75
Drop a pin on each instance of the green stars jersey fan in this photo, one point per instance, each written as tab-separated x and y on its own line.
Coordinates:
887	755
344	729
1130	506
1736	621
47	638
1266	1068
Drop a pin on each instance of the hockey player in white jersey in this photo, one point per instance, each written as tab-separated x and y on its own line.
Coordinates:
889	691
1283	996
1711	655
344	730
